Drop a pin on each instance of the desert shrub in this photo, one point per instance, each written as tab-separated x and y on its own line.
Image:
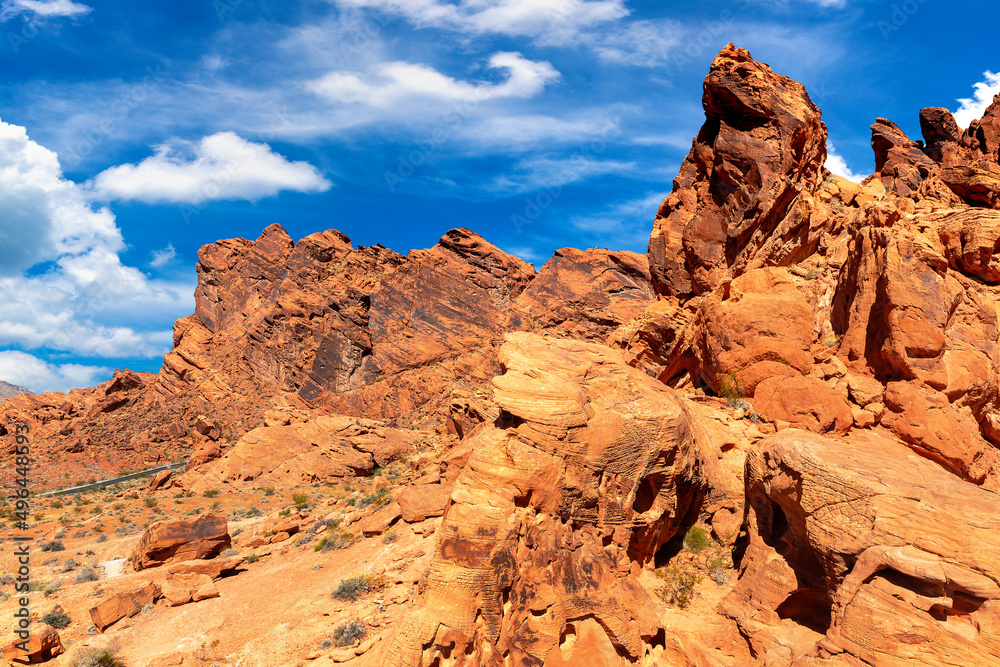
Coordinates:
53	545
697	539
321	544
97	657
679	584
717	566
102	538
253	558
349	632
52	587
149	502
268	492
56	619
351	588
87	574
216	506
60	534
227	553
323	524
57	504
211	493
80	534
340	541
69	565
300	499
376	499
390	537
252	512
285	512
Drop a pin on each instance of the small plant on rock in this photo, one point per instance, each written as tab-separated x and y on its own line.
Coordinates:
349	632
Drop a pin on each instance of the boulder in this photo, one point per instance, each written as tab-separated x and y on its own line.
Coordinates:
159	479
183	588
123	605
423	501
757	326
803	402
213	569
42	645
379	522
176	541
877	555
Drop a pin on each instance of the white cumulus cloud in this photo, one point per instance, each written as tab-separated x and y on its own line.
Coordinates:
63	286
39	376
394	83
973	108
218	167
838	165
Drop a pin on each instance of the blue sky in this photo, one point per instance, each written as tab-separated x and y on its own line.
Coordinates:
131	133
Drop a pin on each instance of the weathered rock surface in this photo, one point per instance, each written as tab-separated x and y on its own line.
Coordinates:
42	645
890	557
319	450
422	501
177	541
743	198
560	503
123	605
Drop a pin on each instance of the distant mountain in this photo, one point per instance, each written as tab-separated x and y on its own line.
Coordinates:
8	390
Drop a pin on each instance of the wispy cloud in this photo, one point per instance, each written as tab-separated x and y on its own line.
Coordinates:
44	9
548	20
622	225
396	83
220	166
163	256
538	173
973	108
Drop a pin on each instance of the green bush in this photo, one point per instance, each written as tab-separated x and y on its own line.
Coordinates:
377	499
351	588
697	539
211	493
57	620
679	585
300	500
349	632
97	657
253	558
729	389
149	502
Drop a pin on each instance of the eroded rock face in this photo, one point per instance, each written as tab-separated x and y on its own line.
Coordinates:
588	472
743	195
42	645
318	450
123	605
177	541
891	558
